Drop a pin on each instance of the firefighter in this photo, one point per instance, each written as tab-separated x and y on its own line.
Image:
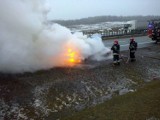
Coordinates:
116	51
132	48
158	35
155	33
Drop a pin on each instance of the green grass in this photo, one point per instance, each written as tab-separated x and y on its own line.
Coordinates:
140	105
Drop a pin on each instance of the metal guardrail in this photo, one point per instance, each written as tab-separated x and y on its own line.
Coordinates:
120	33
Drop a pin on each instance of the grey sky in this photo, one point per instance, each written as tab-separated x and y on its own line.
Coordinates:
75	9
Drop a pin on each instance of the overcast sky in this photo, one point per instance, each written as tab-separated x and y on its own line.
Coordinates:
76	9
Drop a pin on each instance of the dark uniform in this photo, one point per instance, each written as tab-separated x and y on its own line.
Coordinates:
158	35
132	48
154	34
116	50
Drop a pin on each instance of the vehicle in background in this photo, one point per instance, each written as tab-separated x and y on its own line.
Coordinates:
153	30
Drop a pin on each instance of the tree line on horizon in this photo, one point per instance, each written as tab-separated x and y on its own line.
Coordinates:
99	19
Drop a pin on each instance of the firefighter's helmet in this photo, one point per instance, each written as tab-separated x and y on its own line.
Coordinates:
116	42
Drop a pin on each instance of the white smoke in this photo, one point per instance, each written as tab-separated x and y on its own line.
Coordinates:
27	43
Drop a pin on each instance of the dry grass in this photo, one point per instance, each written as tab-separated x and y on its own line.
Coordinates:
140	105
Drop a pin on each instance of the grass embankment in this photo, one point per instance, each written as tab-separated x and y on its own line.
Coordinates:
140	105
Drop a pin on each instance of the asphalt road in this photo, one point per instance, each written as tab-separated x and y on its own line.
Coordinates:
124	42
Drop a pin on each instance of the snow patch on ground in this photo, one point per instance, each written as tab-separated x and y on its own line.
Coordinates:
13	110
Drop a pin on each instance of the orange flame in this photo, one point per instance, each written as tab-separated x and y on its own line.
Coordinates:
73	56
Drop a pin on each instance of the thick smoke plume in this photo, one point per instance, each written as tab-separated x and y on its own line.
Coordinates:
27	43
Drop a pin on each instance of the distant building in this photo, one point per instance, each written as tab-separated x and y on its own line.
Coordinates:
130	25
